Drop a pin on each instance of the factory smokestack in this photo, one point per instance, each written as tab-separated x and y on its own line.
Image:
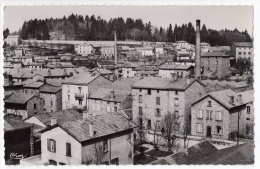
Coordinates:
197	54
115	50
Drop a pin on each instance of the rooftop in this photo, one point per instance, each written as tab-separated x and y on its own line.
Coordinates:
83	79
15	124
243	44
189	155
49	89
213	54
103	125
19	98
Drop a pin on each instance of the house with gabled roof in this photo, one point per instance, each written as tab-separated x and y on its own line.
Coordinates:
76	89
73	142
221	114
22	104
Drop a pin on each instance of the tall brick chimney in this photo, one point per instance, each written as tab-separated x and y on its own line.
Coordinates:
197	54
115	50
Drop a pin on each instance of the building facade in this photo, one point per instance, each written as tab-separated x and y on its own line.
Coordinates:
242	50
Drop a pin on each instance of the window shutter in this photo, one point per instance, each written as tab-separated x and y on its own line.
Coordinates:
48	144
54	146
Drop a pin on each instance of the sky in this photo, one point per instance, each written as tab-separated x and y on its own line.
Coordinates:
214	17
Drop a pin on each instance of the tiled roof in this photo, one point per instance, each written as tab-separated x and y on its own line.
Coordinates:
240	154
224	98
104	71
61	116
103	125
125	84
83	79
223	83
14	124
99	93
243	44
6	83
162	83
247	96
34	85
49	89
189	155
119	95
213	54
19	98
219	48
175	67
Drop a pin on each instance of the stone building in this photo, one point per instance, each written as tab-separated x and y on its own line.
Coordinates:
153	97
242	50
216	114
215	64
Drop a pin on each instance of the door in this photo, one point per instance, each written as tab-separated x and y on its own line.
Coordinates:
208	131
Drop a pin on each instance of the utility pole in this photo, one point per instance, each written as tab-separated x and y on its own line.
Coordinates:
238	117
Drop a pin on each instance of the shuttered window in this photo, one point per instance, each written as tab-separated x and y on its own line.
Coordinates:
51	145
199	114
218	115
68	149
199	128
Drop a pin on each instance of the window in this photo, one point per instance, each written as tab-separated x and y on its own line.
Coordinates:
208	62
248	109
209	115
158	91
25	91
176	114
244	53
176	102
158	113
141	122
219	130
115	161
157	100
68	149
68	97
51	103
115	109
199	114
216	62
149	124
176	92
249	53
68	89
62	164
239	53
140	98
199	128
80	102
149	91
105	146
34	106
209	103
140	90
43	102
51	145
108	108
79	89
140	111
218	115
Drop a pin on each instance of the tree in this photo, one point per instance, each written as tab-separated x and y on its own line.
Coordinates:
156	137
96	155
204	34
243	65
170	126
6	33
170	34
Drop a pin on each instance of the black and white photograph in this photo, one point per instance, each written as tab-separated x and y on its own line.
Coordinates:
128	85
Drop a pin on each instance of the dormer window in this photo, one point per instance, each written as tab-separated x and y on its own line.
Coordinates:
209	103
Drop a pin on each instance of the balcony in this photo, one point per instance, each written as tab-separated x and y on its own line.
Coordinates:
79	95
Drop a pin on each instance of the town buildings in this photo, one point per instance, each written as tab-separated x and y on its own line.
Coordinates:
242	50
222	114
74	142
167	70
13	40
153	97
127	70
215	64
23	105
84	49
75	90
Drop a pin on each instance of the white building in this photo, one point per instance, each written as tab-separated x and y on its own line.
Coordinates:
12	40
84	49
127	70
242	50
75	90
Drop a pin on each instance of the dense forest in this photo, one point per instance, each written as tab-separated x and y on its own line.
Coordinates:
93	28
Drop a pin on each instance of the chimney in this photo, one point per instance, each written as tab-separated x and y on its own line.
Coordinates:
239	98
197	54
91	130
232	100
44	81
53	121
115	49
188	79
49	72
112	94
